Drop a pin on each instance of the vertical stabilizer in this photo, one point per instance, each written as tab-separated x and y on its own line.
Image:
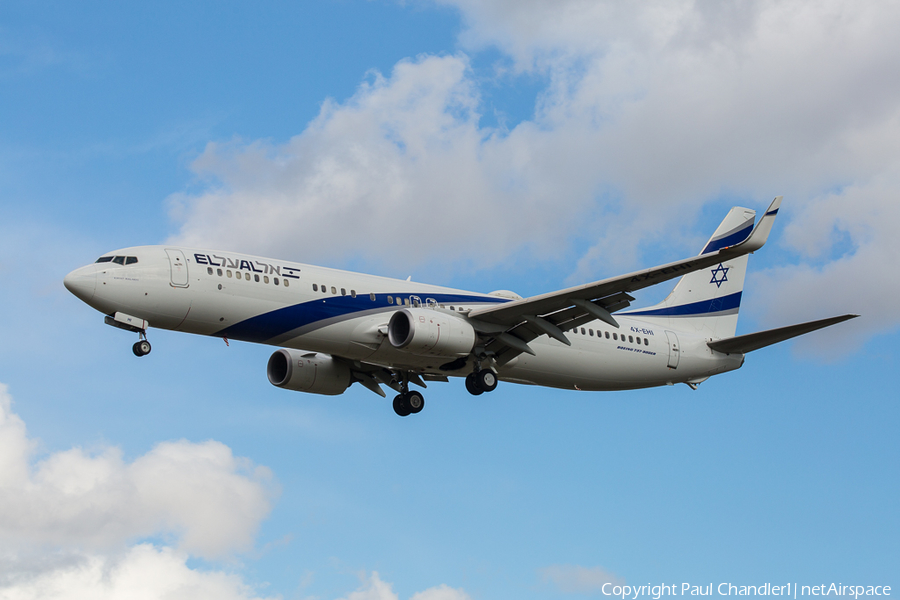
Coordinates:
707	301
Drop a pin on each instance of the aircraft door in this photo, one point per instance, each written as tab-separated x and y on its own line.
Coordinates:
674	349
178	268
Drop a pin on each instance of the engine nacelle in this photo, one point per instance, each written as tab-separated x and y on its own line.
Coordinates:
308	372
428	332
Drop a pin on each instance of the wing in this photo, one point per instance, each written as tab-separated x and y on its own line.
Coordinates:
514	324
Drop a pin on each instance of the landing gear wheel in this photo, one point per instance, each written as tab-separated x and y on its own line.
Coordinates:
141	348
401	405
486	379
415	401
472	385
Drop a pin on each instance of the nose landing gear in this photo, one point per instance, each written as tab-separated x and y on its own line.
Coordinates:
120	320
141	347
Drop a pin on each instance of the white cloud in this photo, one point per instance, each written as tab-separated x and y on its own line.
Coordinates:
755	98
650	111
69	522
441	592
66	521
142	572
864	219
401	171
576	579
373	588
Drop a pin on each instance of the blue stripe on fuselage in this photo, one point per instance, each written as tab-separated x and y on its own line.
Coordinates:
266	326
694	309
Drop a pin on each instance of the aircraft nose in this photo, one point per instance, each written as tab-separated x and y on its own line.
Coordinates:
82	282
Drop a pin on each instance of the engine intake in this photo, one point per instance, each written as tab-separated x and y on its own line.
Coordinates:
308	372
428	332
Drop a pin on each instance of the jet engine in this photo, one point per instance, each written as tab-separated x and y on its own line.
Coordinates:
308	372
428	332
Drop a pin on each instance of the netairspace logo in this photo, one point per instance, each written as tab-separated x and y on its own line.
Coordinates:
790	590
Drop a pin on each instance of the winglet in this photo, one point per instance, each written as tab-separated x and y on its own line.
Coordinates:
760	233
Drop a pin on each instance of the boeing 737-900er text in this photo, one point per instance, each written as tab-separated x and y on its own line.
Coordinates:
336	328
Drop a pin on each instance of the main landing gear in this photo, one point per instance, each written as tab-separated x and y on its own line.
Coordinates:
409	403
479	382
142	346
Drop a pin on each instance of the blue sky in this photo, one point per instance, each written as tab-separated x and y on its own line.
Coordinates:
491	145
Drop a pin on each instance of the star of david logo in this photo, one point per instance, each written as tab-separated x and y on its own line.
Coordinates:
719	275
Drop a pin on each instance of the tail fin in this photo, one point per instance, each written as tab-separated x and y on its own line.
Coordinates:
707	301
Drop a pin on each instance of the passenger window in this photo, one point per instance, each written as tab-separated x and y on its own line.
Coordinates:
591	332
334	290
275	280
228	273
615	337
104	259
582	331
324	290
119	260
646	342
406	301
265	279
630	339
247	276
607	334
287	282
390	299
219	272
638	340
343	292
315	287
130	260
209	270
256	278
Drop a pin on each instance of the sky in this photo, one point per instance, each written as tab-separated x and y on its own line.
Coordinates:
526	145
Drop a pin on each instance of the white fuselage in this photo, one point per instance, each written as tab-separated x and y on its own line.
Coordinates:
345	314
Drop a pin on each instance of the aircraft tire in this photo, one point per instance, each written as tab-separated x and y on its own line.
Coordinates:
141	348
415	401
401	405
472	385
486	380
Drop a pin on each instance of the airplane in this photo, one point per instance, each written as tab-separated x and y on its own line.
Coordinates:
335	328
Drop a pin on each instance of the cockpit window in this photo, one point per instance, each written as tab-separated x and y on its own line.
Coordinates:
104	259
119	260
130	260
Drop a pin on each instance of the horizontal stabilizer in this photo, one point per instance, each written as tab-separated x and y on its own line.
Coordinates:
754	341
